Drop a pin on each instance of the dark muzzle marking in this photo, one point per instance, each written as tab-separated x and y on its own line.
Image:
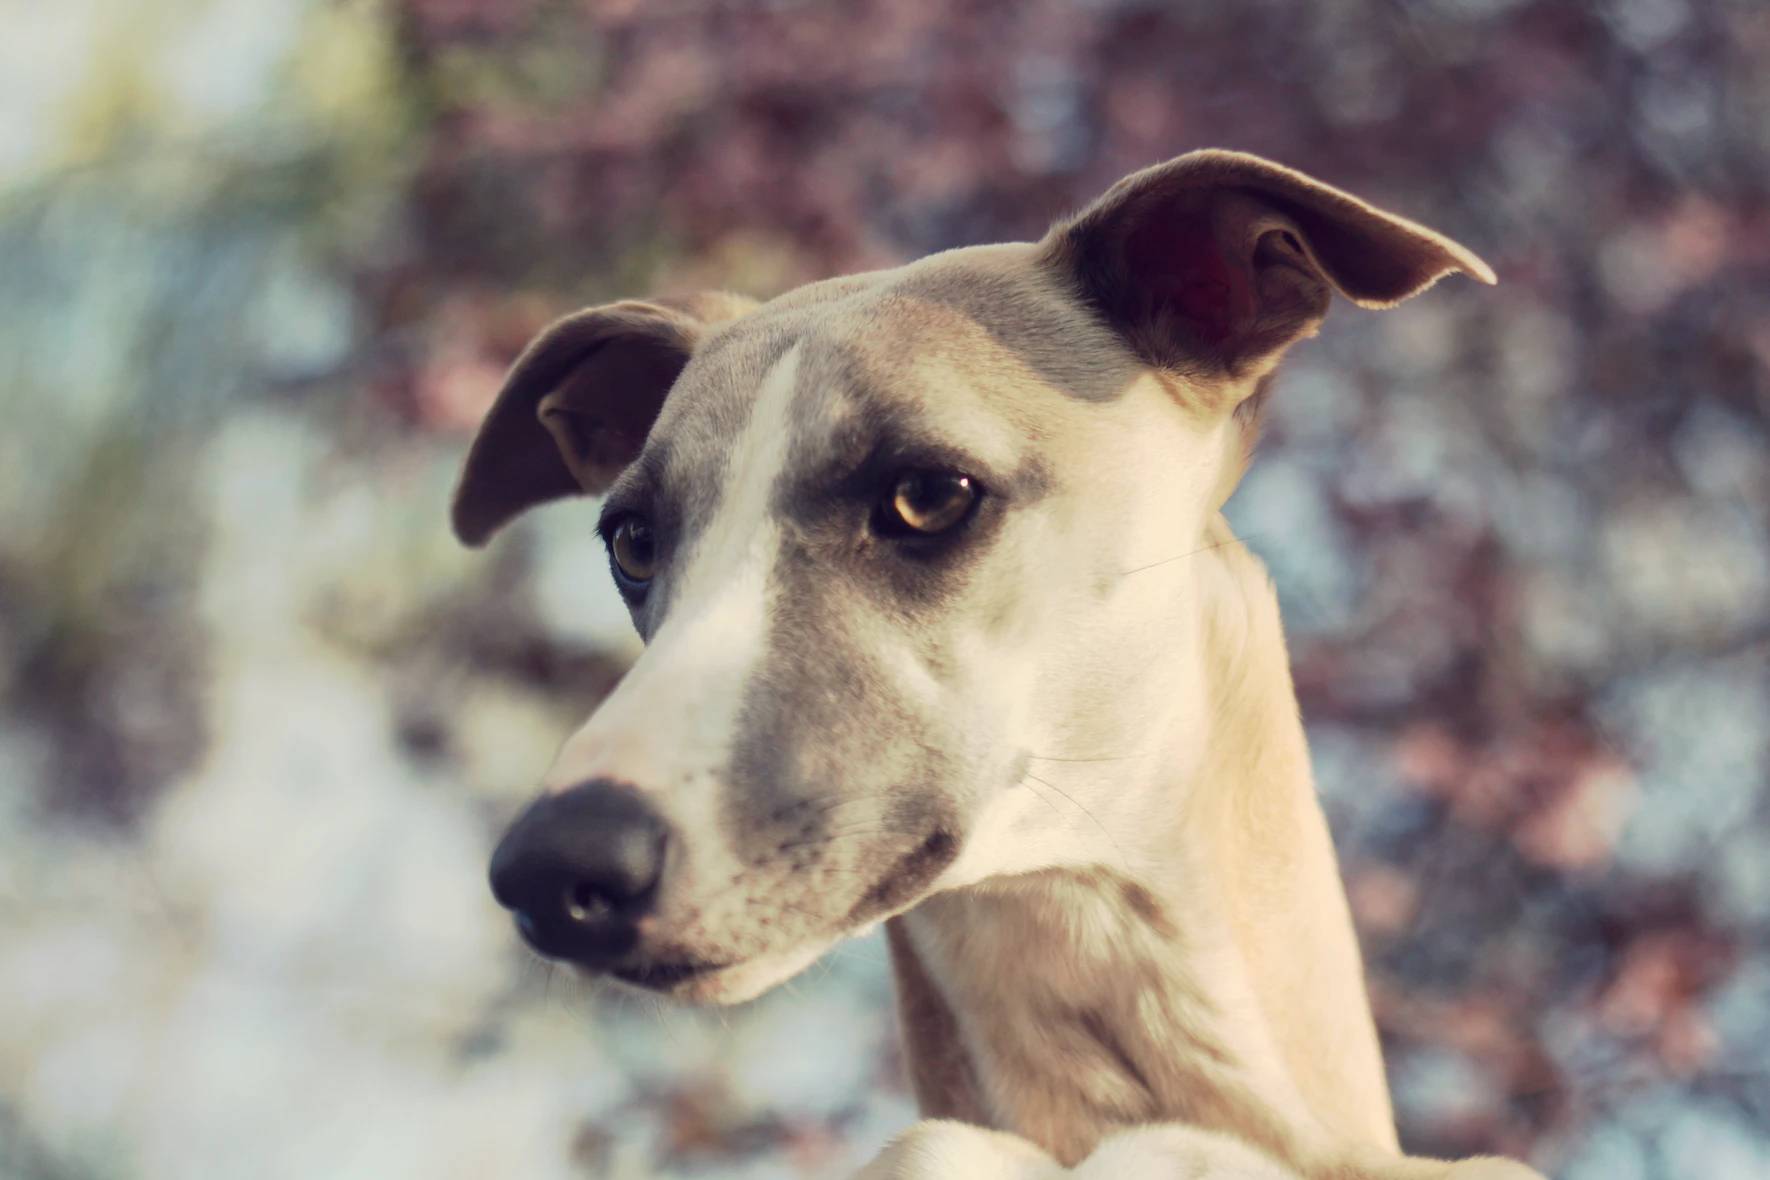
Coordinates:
907	878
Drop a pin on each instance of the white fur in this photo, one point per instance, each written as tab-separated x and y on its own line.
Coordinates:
698	662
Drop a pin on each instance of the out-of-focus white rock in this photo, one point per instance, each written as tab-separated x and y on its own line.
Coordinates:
1684	571
1703	752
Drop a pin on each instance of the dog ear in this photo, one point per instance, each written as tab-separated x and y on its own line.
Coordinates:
1212	263
577	405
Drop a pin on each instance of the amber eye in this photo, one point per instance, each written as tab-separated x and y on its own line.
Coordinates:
928	503
633	550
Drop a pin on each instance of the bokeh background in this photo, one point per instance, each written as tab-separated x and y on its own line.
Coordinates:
262	263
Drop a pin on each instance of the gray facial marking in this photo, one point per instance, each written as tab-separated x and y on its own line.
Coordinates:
906	878
686	460
844	788
682	473
820	721
1035	314
708	408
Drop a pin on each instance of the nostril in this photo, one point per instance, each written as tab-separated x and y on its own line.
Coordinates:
585	903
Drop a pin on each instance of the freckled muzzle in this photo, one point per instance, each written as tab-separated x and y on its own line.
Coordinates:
580	869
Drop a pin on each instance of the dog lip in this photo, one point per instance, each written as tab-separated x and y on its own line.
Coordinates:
663	976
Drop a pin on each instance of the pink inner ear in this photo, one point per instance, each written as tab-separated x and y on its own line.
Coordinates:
1181	265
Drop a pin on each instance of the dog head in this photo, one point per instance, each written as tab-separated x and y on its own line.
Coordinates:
876	535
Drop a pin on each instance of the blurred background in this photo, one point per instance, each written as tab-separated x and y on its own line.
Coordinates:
262	263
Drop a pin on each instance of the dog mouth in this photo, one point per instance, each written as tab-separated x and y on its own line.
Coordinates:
665	976
690	976
647	953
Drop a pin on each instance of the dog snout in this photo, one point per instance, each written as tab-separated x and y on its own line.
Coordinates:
579	869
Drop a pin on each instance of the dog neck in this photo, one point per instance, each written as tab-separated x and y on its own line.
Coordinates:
1216	982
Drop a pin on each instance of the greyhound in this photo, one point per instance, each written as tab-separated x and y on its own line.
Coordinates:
944	627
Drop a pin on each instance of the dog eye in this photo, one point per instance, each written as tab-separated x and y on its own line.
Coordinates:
927	503
633	550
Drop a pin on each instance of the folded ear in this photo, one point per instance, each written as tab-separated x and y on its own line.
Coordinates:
1214	262
577	405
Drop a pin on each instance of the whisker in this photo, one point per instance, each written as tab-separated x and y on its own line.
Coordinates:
861	828
1042	799
828	805
1182	556
1092	818
1116	758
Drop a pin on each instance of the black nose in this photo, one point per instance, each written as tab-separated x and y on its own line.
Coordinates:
579	869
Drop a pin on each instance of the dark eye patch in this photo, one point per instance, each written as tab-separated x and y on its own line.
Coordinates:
864	472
